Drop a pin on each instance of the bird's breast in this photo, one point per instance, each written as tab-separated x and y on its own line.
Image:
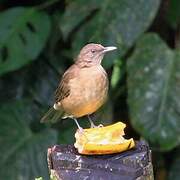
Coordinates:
88	91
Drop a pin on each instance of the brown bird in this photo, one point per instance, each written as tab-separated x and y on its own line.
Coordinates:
83	88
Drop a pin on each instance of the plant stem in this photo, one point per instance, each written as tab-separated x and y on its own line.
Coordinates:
46	4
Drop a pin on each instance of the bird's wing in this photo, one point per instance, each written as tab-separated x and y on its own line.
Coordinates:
63	89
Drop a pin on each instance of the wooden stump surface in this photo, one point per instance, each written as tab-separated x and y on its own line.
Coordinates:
66	164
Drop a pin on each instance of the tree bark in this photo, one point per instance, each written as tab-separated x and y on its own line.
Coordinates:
66	164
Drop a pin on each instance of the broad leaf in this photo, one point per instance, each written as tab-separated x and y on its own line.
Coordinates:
173	14
42	83
117	23
23	34
80	9
154	92
23	151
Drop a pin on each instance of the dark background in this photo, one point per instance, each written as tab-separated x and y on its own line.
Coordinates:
38	41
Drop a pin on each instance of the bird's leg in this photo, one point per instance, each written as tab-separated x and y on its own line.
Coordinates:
91	122
79	127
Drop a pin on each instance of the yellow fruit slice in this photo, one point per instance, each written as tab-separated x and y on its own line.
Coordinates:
103	140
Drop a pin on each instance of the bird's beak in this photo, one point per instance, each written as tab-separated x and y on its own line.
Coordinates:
110	48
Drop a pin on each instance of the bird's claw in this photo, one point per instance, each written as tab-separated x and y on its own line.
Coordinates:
100	126
81	130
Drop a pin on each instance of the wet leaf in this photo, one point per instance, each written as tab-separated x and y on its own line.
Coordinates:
23	151
154	92
80	9
117	23
42	82
23	34
173	14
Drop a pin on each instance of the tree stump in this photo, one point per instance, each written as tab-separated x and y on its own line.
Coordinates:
66	164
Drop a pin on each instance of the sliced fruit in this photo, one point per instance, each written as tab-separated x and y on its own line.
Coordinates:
103	140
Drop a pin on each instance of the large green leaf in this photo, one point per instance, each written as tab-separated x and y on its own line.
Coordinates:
23	34
154	92
42	83
117	23
173	14
23	151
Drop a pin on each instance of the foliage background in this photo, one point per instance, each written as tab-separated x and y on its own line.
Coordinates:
38	40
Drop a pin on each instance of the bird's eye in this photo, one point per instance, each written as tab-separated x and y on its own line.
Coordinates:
93	51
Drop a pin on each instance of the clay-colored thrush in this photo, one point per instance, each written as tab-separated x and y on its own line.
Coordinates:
83	87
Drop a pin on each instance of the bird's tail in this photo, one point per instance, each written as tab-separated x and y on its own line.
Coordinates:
52	116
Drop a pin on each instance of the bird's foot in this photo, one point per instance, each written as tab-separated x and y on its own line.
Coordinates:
81	130
94	126
79	127
91	122
100	126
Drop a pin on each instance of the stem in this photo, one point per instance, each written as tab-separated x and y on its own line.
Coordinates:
80	24
46	4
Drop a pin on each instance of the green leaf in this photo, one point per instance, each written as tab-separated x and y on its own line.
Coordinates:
78	8
67	129
117	23
116	73
174	172
23	34
173	14
39	178
42	83
23	151
154	92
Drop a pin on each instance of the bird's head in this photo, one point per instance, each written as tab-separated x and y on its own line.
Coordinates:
92	54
